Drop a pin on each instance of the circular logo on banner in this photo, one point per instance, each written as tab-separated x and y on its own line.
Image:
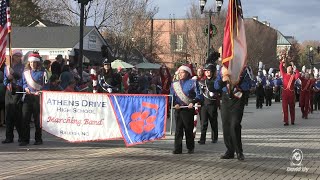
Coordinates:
297	157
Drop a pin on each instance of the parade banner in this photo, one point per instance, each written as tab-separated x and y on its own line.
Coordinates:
79	117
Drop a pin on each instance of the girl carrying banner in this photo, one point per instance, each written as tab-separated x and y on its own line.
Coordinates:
33	80
186	93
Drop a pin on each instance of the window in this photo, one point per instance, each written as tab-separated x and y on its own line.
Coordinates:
92	42
177	42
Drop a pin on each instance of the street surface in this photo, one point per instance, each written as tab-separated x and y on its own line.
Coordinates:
267	144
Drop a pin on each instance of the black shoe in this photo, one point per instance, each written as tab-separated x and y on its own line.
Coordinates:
190	151
240	156
176	152
201	142
286	124
214	141
23	143
38	143
227	156
292	123
7	141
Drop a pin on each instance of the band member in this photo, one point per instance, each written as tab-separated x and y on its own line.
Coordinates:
210	104
268	90
288	95
306	84
232	108
186	93
260	91
277	88
252	85
109	81
33	81
13	83
316	90
200	74
312	94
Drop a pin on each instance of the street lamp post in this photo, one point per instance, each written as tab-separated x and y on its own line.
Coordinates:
310	57
83	3
210	13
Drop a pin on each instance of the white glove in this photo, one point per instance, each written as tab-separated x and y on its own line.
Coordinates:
94	83
109	90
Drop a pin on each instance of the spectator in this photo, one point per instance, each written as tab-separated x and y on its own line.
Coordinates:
57	66
54	83
71	87
46	65
65	77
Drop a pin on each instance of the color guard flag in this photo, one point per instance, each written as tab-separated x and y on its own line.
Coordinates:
234	55
140	118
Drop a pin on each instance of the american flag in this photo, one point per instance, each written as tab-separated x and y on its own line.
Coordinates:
5	28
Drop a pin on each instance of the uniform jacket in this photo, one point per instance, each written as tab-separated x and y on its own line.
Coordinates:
286	78
17	75
190	88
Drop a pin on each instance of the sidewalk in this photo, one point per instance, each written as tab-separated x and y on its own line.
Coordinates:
267	144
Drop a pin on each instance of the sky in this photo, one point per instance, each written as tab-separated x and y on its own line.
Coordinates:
297	18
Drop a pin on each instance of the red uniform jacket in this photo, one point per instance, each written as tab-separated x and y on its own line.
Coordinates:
287	79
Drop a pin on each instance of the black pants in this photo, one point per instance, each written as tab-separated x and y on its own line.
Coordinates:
268	96
31	106
12	114
246	95
209	113
184	124
259	101
316	101
277	95
231	115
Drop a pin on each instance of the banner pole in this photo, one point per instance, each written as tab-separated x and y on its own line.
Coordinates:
171	114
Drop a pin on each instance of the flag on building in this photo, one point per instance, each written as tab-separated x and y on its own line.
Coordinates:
234	55
5	28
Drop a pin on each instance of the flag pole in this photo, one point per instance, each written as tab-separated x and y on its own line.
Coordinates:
10	51
9	31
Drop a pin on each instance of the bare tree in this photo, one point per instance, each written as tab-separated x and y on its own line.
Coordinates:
197	41
261	44
305	52
60	11
119	21
293	54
